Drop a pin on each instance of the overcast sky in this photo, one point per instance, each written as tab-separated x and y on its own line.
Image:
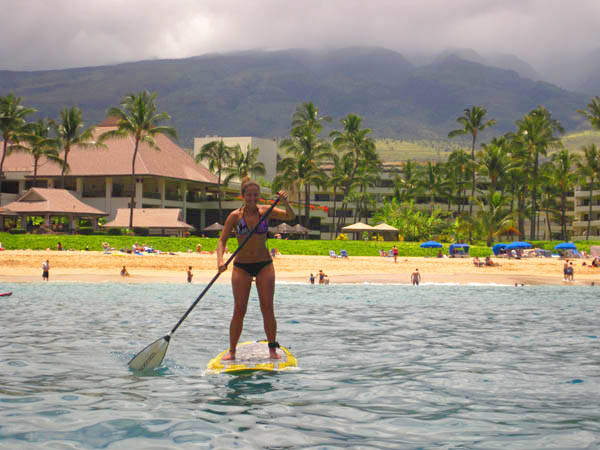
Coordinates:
47	34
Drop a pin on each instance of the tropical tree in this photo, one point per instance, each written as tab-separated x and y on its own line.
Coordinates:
138	119
338	178
592	114
244	164
407	182
12	123
41	145
494	162
472	123
459	169
70	132
589	169
535	133
219	157
355	143
494	218
563	174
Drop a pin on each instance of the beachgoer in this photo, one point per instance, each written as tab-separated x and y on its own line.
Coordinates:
46	270
273	252
124	272
440	254
323	278
395	253
566	270
415	277
570	272
59	246
252	262
189	274
477	262
312	279
199	248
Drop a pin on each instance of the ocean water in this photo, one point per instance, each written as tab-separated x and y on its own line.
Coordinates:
381	366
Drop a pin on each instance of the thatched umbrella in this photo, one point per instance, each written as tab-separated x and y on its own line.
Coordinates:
358	227
301	230
214	227
387	230
284	228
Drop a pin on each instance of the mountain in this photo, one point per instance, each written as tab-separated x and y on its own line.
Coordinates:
256	92
590	80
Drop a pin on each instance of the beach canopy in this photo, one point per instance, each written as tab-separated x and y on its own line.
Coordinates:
498	248
455	247
565	246
284	228
385	227
518	245
358	226
214	227
301	229
431	244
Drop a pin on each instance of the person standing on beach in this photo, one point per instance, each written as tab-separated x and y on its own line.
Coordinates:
252	262
415	277
190	275
570	272
566	270
46	270
395	253
312	279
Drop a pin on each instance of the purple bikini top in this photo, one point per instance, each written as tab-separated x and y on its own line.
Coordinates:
242	227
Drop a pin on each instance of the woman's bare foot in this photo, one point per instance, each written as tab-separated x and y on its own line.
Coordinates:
273	354
230	356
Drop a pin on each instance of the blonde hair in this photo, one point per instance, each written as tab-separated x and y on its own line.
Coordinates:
246	182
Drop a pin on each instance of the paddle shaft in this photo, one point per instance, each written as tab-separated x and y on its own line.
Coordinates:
233	255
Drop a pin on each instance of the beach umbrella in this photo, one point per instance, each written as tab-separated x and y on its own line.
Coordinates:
431	244
518	245
498	248
565	246
454	247
284	228
385	227
214	227
358	226
300	229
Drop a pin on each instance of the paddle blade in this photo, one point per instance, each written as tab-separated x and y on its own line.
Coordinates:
152	356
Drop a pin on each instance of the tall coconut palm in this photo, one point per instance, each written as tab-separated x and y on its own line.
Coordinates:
138	120
494	218
407	182
338	178
592	114
244	164
41	145
536	135
472	123
12	123
70	132
563	174
589	169
494	162
355	142
459	166
219	157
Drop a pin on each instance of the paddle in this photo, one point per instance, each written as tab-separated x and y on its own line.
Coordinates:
153	355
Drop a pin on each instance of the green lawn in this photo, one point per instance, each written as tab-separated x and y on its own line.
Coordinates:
300	247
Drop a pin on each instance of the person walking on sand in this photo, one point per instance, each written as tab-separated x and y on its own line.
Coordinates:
46	270
395	253
190	275
252	262
415	277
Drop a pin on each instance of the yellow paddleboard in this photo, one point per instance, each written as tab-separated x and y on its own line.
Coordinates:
251	357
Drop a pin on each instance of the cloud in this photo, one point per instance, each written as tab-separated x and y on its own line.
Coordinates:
43	34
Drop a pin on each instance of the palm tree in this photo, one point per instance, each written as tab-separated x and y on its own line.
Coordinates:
407	182
563	175
459	166
472	123
338	178
40	144
536	134
494	162
70	132
593	113
590	168
309	149
355	142
138	119
494	218
12	122
244	164
219	158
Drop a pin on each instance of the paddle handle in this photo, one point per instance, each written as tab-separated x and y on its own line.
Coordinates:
233	255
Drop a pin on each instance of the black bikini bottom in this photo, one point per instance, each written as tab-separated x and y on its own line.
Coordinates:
252	268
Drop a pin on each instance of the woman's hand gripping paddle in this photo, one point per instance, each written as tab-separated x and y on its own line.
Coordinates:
153	355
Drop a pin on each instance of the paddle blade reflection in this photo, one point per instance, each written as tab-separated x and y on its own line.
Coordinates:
152	356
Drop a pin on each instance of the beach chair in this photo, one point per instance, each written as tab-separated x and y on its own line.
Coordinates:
333	254
343	254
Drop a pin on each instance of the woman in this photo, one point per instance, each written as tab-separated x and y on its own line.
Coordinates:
253	261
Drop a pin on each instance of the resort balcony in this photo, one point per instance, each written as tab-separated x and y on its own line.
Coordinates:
586	208
586	194
584	223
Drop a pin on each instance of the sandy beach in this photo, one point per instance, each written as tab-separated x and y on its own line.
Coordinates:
25	266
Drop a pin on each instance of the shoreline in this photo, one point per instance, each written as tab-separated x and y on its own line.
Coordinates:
96	267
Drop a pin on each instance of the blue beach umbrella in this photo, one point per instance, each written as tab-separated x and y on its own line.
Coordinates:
455	247
518	244
565	246
431	244
498	248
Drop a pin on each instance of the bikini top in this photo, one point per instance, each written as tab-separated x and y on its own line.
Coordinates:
242	227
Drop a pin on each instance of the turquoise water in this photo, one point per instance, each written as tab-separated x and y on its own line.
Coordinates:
382	366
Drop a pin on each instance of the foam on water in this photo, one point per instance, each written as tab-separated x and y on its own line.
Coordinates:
383	366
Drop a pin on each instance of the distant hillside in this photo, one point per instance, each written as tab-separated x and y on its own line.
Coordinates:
256	92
